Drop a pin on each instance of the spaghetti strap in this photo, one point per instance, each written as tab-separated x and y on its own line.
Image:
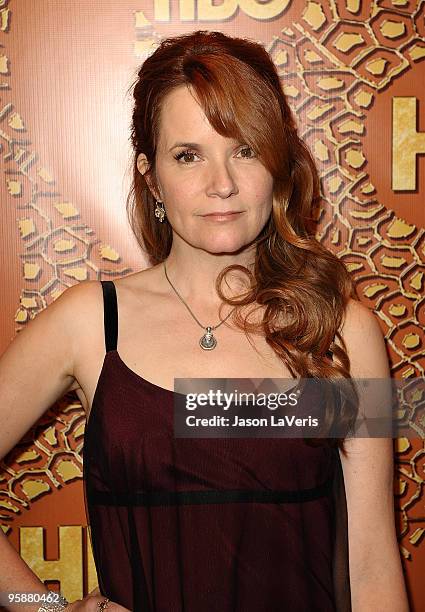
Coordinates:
110	315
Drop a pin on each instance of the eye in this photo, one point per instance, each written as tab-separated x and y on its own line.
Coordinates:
184	154
247	149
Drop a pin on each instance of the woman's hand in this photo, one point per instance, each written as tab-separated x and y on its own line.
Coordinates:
90	601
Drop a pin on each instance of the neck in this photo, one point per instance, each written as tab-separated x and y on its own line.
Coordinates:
193	274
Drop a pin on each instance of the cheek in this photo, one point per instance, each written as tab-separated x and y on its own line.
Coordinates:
177	197
259	181
262	194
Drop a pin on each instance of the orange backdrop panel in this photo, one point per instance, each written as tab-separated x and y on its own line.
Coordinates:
354	74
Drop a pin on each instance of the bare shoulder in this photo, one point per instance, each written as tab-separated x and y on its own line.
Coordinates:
57	330
38	366
64	318
82	306
79	306
359	318
80	309
364	341
87	295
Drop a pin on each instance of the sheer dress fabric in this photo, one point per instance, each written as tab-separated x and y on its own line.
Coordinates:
206	525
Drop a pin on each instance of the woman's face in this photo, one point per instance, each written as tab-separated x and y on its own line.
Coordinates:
200	173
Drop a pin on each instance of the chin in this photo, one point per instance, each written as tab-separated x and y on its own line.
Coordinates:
218	247
220	244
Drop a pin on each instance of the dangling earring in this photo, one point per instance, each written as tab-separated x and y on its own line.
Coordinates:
159	211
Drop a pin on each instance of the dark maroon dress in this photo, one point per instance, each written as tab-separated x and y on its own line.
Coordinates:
212	524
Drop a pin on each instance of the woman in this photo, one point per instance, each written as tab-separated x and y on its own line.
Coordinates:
221	179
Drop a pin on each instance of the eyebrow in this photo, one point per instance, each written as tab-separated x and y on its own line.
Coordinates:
191	145
188	145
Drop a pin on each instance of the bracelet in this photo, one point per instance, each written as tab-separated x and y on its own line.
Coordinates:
57	604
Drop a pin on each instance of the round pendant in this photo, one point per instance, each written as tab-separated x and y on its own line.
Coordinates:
208	342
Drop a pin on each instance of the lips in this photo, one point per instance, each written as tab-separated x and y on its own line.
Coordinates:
222	214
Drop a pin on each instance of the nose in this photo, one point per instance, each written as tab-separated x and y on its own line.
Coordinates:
221	180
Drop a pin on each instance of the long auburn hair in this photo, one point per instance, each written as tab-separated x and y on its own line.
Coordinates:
302	286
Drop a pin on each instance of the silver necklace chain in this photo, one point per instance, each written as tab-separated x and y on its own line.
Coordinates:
208	340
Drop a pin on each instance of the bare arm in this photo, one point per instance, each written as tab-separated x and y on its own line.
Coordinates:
376	575
35	371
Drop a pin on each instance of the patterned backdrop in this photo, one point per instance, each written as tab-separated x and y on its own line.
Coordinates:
354	74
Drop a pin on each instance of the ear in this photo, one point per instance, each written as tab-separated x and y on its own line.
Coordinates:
142	163
143	167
